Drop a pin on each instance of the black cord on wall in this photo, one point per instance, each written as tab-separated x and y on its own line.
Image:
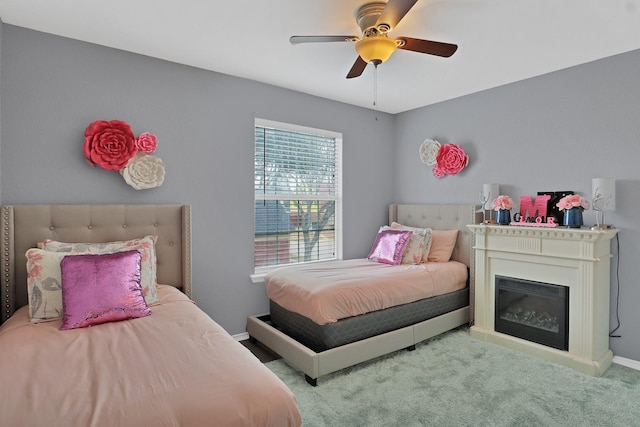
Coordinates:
611	334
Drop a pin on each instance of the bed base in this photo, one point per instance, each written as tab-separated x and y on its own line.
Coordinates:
314	364
351	329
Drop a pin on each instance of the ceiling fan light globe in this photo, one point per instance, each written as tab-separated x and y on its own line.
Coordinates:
375	49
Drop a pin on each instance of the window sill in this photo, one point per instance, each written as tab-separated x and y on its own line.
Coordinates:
257	277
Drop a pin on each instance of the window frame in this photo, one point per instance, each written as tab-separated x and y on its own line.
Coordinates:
259	272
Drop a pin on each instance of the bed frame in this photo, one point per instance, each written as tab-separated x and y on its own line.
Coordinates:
23	226
315	364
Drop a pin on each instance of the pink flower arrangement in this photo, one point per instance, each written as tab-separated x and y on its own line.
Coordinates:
502	202
112	146
573	201
450	160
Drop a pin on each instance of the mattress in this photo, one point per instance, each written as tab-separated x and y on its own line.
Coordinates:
323	337
328	291
176	367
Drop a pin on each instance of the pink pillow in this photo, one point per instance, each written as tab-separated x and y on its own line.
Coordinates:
389	246
101	288
442	244
418	246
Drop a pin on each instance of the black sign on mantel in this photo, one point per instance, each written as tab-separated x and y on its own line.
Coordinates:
552	209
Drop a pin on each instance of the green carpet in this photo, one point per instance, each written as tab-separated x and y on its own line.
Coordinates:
455	380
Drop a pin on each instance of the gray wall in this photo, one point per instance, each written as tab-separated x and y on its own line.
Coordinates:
54	87
1	26
553	132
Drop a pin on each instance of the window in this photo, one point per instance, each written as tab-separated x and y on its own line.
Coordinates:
297	195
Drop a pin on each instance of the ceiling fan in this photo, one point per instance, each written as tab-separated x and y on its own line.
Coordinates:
374	46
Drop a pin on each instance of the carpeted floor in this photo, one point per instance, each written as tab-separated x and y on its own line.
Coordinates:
455	380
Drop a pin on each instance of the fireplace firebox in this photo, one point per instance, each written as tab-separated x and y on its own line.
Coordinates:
534	311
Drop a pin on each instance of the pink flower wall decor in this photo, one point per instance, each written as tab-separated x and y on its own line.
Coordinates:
112	146
146	142
450	160
109	145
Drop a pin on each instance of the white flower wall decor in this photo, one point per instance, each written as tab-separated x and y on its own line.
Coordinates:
428	151
144	171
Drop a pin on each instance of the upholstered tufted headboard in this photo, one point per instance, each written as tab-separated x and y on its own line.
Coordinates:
445	217
23	226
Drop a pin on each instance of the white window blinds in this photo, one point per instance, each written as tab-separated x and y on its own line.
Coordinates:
297	194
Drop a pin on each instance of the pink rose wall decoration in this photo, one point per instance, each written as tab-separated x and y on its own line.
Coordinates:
112	146
450	160
109	145
146	142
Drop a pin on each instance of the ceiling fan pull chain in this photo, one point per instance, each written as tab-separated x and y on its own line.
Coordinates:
375	84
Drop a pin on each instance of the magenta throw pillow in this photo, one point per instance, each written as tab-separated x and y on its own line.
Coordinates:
101	288
389	246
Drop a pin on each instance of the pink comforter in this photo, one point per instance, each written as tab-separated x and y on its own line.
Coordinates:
176	367
327	291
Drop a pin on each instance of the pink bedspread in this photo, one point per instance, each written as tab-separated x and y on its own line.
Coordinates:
176	367
328	291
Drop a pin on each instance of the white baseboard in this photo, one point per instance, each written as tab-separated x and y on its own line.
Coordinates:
241	337
629	363
245	335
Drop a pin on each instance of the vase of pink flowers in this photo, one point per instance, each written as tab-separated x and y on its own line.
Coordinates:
502	205
572	206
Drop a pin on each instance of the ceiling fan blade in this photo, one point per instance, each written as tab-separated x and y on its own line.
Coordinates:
428	46
320	39
357	69
394	11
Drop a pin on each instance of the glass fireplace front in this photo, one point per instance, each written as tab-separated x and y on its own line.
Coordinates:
534	311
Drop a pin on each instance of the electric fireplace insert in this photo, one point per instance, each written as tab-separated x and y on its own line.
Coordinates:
534	311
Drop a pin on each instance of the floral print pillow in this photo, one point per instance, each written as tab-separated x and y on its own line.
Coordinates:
44	285
418	246
146	247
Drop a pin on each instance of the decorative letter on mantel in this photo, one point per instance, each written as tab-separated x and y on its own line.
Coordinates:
528	209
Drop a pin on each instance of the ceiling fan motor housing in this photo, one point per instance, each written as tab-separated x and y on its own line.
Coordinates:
367	16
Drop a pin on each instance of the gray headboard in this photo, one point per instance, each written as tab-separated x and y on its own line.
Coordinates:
445	217
23	226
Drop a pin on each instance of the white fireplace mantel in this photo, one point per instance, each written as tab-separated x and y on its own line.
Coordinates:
577	258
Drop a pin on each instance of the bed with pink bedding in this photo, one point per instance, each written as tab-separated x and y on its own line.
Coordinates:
329	291
172	367
331	315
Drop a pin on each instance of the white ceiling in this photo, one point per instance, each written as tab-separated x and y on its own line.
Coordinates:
500	41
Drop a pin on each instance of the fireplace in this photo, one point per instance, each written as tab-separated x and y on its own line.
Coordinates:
533	311
575	262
